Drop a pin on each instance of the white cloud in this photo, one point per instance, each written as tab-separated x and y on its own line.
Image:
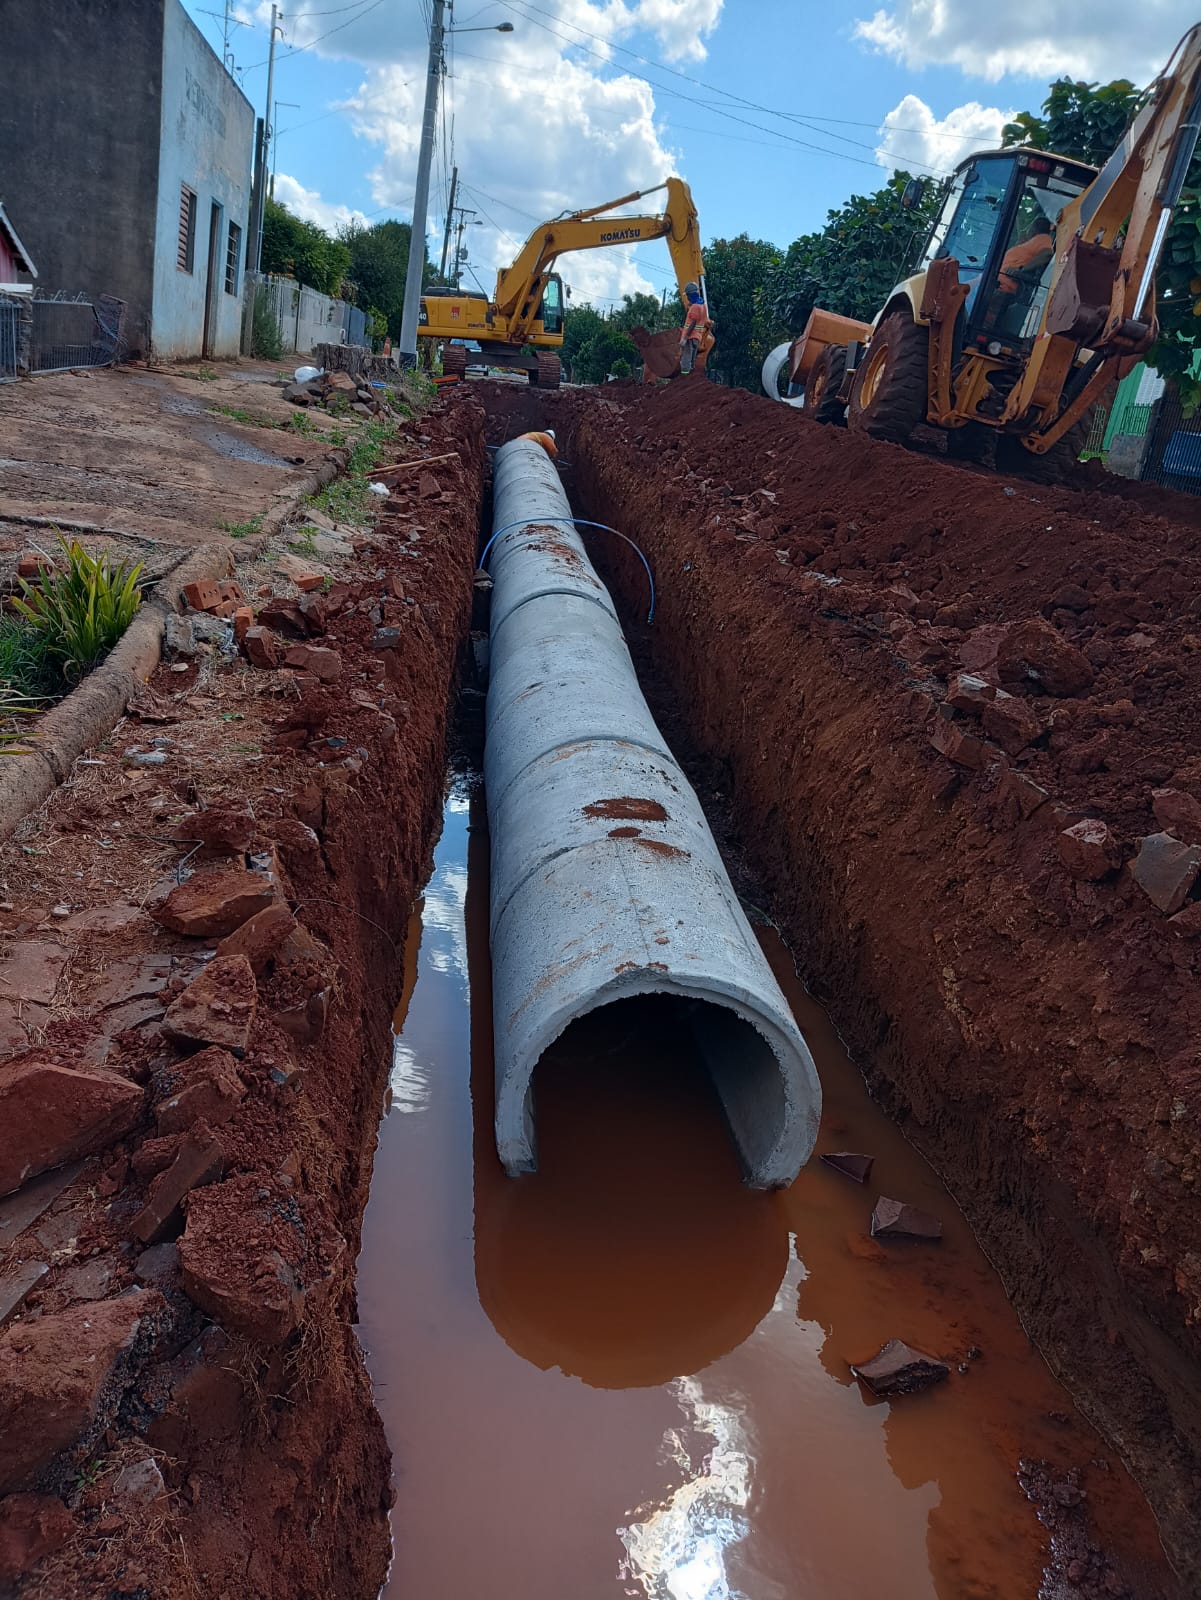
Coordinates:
912	136
307	203
1100	40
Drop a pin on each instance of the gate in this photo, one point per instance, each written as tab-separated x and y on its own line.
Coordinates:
70	331
10	319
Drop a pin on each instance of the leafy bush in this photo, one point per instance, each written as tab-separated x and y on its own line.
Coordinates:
26	667
13	706
82	609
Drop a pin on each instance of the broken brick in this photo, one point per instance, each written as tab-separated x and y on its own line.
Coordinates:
302	573
1165	869
323	663
261	647
211	904
243	622
1088	850
231	590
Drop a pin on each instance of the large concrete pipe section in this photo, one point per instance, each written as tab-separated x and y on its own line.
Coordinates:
606	882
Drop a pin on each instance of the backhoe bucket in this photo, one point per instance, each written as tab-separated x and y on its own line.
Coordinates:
1080	302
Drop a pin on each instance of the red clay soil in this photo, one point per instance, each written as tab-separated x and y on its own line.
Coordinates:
1027	1008
184	1408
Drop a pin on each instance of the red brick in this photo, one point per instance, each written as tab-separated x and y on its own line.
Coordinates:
243	622
203	595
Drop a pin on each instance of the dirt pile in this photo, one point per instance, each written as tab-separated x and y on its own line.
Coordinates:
198	957
954	718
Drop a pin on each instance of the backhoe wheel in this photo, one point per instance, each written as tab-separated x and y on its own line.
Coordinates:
454	361
821	400
891	384
549	373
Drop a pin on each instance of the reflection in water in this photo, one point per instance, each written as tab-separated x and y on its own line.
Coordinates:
678	1550
627	1375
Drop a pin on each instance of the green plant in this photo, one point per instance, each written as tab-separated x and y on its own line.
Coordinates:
346	498
83	608
266	341
239	530
25	662
302	423
249	419
13	706
207	374
304	542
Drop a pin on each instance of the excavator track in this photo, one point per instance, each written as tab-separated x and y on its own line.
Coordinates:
550	371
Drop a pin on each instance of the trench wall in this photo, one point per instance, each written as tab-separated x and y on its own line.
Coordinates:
1034	1034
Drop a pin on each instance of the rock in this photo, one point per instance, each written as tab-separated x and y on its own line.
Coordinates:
218	1007
324	664
854	1166
200	1395
146	758
893	1219
30	971
1028	794
1165	870
313	608
1011	722
21	1210
32	1527
962	748
252	1260
306	1023
62	1377
966	691
91	1280
428	487
211	1091
158	1265
200	1160
51	1114
15	1285
203	595
385	638
1088	850
178	638
285	616
243	622
1035	651
1178	813
360	410
211	904
225	828
261	647
898	1369
30	565
261	937
208	628
978	652
1186	924
140	1483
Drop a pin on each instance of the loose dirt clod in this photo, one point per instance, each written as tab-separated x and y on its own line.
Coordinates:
898	1369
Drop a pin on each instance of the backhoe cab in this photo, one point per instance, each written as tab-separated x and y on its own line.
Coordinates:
1034	294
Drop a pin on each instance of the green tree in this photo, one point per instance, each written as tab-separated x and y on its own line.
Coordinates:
580	324
607	346
1080	120
646	311
379	260
851	265
302	250
737	274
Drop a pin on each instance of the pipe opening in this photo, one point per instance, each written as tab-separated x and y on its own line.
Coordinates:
653	1035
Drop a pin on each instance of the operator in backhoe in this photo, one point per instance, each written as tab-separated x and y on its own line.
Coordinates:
695	335
1022	266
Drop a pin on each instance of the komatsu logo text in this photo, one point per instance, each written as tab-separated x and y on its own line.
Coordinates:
619	234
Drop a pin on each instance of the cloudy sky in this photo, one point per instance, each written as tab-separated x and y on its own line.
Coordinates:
773	110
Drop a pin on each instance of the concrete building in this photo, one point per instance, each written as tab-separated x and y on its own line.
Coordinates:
126	151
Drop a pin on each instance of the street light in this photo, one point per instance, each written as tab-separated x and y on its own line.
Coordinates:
412	296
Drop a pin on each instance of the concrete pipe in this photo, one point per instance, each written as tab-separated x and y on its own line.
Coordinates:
606	882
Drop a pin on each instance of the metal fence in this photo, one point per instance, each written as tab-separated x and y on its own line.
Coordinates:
306	318
1173	454
10	323
71	331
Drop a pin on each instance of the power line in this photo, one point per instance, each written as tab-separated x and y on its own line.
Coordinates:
369	6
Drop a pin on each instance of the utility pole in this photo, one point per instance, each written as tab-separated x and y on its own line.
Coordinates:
412	299
268	131
291	104
450	211
226	53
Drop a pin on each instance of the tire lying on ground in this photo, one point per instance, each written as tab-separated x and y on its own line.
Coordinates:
889	392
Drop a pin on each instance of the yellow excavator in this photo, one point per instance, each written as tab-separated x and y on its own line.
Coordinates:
1035	292
528	306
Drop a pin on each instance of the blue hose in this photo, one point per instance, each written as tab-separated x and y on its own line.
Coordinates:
578	522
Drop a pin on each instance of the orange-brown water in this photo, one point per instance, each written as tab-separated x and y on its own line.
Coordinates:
628	1375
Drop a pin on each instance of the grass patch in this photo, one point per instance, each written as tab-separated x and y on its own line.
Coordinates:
304	542
249	419
346	499
242	530
26	666
301	422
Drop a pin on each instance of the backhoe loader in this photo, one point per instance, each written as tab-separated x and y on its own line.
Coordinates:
1034	294
527	307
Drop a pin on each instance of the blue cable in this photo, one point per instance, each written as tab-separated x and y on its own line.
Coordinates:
578	522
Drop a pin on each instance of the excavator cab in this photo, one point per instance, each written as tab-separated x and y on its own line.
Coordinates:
550	312
998	223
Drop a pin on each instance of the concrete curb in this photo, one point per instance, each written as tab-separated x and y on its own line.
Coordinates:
90	712
326	471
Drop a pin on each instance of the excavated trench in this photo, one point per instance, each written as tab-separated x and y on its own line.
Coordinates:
628	1373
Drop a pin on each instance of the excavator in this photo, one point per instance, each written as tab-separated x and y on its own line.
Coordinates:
1034	293
528	306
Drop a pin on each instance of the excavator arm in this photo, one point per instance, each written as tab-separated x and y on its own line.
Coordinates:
1109	240
519	286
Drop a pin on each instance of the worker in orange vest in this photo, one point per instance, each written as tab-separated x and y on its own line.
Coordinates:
696	337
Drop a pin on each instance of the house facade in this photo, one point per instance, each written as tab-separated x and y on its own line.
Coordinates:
143	190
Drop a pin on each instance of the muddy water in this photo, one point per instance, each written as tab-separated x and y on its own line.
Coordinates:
628	1375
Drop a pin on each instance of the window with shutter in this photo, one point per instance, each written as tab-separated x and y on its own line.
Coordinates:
185	258
233	253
